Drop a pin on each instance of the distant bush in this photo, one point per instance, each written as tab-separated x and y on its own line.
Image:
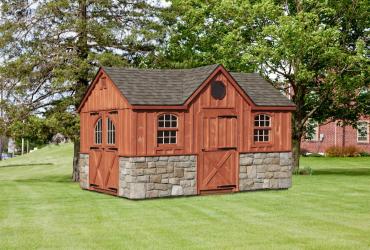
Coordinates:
303	171
349	151
364	154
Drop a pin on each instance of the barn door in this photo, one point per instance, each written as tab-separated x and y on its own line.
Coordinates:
103	157
217	168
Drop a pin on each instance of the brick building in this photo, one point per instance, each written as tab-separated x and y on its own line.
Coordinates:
331	134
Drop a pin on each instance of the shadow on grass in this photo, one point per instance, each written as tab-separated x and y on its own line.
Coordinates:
26	165
50	178
342	171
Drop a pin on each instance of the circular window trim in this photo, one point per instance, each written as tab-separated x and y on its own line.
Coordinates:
218	90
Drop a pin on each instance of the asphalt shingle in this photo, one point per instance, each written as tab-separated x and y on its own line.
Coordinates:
175	86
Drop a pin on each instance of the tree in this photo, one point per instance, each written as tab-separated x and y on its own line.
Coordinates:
317	48
51	49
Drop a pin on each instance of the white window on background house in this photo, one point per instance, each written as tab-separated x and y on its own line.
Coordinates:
312	129
363	132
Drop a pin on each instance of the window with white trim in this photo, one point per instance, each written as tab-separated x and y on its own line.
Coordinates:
98	132
167	129
111	132
363	132
262	128
312	128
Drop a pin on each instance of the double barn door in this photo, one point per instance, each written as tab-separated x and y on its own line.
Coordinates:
103	157
218	158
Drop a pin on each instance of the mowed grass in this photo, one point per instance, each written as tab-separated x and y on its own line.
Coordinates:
41	208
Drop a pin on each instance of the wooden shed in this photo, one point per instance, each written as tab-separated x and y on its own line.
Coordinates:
149	133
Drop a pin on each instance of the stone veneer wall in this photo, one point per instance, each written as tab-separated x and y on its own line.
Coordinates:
84	171
151	177
265	171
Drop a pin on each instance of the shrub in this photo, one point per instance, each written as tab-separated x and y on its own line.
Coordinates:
303	171
364	154
349	151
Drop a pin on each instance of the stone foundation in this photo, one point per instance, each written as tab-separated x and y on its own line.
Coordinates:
265	171
151	177
84	171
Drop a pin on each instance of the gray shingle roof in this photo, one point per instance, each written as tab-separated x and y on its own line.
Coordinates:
175	86
260	91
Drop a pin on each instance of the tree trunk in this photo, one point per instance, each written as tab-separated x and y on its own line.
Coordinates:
1	148
296	154
83	81
76	158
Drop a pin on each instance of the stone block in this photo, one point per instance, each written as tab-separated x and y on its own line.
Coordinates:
164	193
136	172
273	155
155	178
257	161
189	175
137	159
174	181
261	168
152	194
161	186
151	164
150	171
151	159
274	183
190	191
285	162
266	183
162	170
269	175
165	180
143	178
141	165
170	168
137	190
273	168
161	164
243	169
150	186
260	175
260	155
177	190
243	175
252	172
178	172
247	161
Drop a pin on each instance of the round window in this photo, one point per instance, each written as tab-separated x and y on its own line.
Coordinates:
218	90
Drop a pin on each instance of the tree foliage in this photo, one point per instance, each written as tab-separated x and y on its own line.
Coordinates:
50	49
317	48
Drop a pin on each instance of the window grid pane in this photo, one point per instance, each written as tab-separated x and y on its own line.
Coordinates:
167	121
111	132
98	132
362	132
262	121
261	135
167	137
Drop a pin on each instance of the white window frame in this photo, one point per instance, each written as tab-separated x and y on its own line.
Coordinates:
166	130
359	135
111	132
316	135
262	129
98	131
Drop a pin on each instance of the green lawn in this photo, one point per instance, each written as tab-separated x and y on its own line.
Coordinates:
41	208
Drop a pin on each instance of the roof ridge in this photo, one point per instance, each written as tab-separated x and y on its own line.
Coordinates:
161	69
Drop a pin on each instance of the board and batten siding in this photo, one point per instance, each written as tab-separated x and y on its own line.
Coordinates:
142	125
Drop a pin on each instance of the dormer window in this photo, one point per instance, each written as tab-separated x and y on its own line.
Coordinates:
167	129
262	128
